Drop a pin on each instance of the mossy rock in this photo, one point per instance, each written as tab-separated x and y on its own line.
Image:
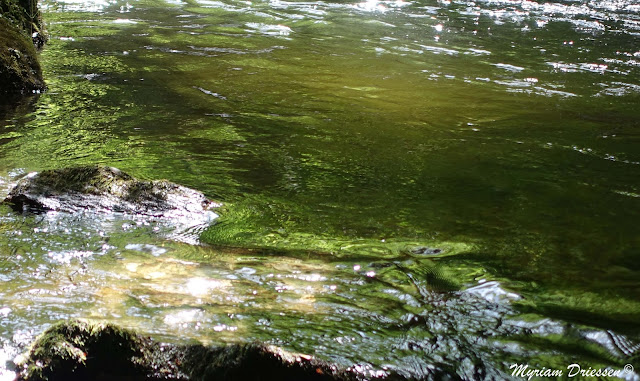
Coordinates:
21	32
24	15
81	351
77	350
105	189
20	72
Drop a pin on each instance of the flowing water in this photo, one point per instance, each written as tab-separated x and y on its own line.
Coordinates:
408	185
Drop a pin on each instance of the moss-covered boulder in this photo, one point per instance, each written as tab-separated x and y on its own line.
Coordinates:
78	350
106	189
21	32
24	15
81	351
20	72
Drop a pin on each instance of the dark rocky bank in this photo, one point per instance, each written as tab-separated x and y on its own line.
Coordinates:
21	32
78	350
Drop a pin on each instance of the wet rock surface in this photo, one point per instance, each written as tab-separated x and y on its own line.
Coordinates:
105	189
424	250
78	350
101	192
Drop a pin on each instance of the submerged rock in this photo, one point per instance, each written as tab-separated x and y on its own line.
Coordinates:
424	250
78	350
107	189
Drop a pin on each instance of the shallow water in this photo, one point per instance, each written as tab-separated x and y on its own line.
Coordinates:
344	138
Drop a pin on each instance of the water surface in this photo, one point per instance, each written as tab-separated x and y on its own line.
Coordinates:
345	138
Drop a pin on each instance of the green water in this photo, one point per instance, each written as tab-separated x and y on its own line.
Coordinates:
342	137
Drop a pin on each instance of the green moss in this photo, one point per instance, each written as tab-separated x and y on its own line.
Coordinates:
147	191
20	72
20	28
95	180
90	179
78	350
23	14
105	189
257	362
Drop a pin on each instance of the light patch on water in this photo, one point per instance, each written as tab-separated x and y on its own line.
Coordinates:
378	22
204	286
6	354
154	275
508	67
208	92
619	89
371	6
478	52
312	278
182	317
81	5
146	248
124	21
573	68
606	156
542	327
66	257
493	292
524	87
270	29
380	6
439	50
541	23
224	327
628	194
368	371
513	83
215	4
132	267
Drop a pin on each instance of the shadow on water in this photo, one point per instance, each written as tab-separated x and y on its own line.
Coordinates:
12	109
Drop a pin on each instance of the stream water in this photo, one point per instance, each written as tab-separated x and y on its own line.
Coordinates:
408	185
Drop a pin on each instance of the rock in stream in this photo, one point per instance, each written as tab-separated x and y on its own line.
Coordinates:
21	32
102	189
78	350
